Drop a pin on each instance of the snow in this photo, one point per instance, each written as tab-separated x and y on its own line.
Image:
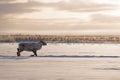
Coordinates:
60	62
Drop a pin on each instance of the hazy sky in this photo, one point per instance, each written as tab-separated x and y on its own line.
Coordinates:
67	15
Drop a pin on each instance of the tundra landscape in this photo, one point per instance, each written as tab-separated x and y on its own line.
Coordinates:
61	59
59	39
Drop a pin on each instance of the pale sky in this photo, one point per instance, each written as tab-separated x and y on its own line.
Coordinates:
59	15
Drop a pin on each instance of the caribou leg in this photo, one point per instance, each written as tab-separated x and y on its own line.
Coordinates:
18	52
35	52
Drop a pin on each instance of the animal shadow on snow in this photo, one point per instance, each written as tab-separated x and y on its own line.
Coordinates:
13	57
54	56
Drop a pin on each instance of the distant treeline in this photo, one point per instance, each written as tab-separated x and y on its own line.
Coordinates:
61	38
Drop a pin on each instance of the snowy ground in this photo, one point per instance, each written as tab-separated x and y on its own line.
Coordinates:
61	62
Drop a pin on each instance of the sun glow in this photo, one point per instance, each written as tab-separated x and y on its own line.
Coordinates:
50	13
51	1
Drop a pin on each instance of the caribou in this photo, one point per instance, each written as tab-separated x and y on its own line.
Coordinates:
30	46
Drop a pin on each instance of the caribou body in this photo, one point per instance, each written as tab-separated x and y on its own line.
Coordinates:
30	46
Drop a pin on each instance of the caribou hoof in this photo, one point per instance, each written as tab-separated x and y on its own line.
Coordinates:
18	54
32	55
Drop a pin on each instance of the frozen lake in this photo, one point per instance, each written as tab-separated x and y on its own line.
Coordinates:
61	62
